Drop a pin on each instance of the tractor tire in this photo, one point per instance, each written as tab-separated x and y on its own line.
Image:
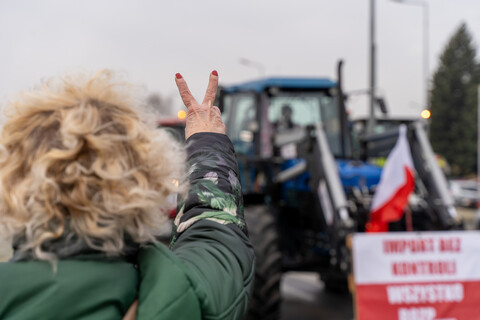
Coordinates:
266	299
335	283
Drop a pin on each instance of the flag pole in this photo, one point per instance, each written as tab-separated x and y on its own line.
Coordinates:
408	219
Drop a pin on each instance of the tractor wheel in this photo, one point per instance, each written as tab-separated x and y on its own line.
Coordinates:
335	283
262	228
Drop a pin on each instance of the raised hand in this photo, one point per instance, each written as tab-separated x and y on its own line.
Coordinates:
201	117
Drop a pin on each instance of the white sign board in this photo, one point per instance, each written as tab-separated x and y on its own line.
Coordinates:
421	276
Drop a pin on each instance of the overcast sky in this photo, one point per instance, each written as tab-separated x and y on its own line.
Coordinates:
152	40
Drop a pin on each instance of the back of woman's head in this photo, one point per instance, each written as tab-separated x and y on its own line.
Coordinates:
78	161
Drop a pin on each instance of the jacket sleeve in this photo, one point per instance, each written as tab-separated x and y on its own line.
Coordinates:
210	236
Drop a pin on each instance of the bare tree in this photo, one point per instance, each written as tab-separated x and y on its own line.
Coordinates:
162	105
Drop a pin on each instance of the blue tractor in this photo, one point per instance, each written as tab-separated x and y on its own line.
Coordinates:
298	172
304	188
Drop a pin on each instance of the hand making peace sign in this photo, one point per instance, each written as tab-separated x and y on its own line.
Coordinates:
201	117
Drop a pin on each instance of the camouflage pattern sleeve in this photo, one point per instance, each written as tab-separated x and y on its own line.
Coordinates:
215	193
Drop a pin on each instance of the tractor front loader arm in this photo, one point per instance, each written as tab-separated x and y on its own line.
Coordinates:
433	178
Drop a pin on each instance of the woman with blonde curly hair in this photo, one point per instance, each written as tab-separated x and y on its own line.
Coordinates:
84	190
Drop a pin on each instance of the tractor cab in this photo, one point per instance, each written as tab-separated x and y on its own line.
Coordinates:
255	111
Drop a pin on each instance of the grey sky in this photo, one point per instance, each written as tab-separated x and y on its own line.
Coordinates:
152	40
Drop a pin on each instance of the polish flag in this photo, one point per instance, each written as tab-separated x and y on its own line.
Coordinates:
396	184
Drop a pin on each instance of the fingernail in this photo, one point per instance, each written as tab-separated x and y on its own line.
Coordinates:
178	76
215	73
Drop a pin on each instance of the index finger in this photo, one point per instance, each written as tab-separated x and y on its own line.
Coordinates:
185	93
211	89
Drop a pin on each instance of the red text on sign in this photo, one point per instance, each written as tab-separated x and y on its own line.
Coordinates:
450	244
411	246
407	268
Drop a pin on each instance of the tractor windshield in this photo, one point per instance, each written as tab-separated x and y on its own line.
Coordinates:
253	119
303	109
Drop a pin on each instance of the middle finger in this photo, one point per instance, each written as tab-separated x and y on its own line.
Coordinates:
211	89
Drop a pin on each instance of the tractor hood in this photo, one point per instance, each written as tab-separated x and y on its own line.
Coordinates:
358	174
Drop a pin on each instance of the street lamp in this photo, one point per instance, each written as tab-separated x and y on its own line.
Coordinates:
257	65
424	5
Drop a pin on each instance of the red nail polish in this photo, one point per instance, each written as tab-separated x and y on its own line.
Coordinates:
178	76
215	73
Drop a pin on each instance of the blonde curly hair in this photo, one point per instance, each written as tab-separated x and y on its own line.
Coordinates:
77	159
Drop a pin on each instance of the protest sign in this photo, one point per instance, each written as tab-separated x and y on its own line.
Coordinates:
417	276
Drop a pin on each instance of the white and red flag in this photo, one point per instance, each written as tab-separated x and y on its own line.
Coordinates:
396	183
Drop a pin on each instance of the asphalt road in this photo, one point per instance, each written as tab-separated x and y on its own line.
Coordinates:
305	298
